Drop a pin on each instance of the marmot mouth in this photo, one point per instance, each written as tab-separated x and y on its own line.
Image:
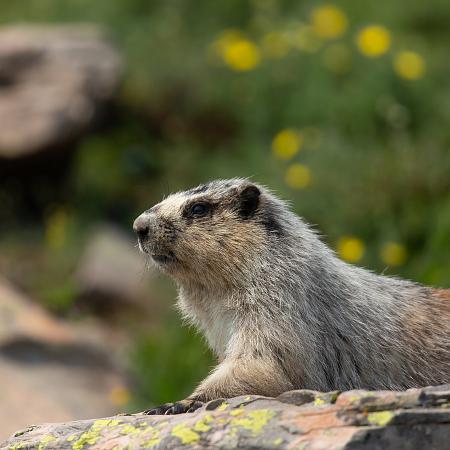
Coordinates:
163	259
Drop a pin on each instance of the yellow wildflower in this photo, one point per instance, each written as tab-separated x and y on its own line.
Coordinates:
338	58
235	50
393	254
241	54
409	65
374	41
227	37
305	39
287	143
350	248
119	395
329	22
298	176
275	45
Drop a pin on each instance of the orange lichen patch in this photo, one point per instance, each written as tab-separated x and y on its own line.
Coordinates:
369	401
310	420
330	438
353	399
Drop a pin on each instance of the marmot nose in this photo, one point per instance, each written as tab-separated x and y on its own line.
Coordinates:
141	227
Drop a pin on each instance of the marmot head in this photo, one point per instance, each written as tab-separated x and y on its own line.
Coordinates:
211	233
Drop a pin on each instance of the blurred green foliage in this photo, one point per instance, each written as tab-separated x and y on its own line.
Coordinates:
168	363
209	85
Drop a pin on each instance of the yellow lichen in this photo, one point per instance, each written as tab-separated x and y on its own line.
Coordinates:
46	440
222	407
202	424
237	412
380	418
334	397
319	401
87	438
102	423
154	440
277	441
253	421
20	445
368	394
91	436
185	434
130	429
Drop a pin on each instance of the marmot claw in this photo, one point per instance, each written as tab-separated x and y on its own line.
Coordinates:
183	406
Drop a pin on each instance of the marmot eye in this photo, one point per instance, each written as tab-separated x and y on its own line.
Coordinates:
199	209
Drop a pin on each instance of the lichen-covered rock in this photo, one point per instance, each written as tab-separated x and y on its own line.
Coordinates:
415	419
53	81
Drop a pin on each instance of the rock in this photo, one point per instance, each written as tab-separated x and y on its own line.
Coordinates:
21	319
53	82
111	270
51	370
415	419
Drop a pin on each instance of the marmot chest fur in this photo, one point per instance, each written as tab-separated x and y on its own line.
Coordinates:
277	306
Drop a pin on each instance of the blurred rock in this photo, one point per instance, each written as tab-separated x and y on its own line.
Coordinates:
53	82
22	319
51	370
111	269
375	420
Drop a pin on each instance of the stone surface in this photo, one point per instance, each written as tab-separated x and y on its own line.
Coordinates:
51	370
53	82
21	319
415	419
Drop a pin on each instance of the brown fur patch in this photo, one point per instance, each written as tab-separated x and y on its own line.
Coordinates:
427	326
444	294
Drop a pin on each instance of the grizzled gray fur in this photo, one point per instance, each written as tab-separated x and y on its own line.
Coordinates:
280	310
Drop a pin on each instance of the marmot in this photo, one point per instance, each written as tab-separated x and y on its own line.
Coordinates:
279	309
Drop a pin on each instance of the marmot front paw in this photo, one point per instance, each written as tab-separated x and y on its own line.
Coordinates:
183	406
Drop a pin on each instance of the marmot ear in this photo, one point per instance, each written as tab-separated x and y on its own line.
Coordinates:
248	201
